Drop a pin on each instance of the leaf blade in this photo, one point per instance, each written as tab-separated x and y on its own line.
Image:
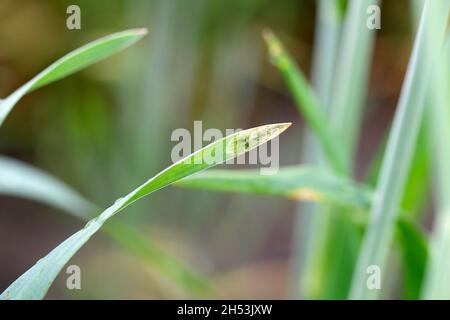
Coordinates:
22	180
414	250
296	183
19	179
307	101
35	282
402	138
73	62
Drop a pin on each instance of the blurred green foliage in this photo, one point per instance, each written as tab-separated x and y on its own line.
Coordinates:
201	60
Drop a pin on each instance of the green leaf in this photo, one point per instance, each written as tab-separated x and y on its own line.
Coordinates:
321	185
437	283
414	250
22	180
351	76
338	239
312	223
73	62
297	182
402	139
35	282
417	184
306	100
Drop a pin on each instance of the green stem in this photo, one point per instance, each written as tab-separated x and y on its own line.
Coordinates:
337	239
437	283
351	76
310	222
403	135
306	101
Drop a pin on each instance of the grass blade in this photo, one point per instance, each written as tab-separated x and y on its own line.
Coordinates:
22	180
35	184
306	100
34	283
413	244
311	222
437	284
414	251
297	183
396	163
351	75
346	102
73	62
328	29
338	241
322	186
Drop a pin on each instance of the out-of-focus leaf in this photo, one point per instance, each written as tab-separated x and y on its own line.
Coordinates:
418	178
297	182
22	180
437	279
35	282
313	225
414	250
417	186
306	101
399	151
409	236
73	62
320	185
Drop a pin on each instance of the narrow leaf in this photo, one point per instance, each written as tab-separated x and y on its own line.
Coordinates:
22	180
73	62
306	100
34	283
311	222
414	250
321	185
297	182
351	76
402	139
437	283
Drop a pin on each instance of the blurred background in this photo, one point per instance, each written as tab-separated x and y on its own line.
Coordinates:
107	129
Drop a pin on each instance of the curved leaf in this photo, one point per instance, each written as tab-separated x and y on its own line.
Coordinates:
402	140
73	62
297	182
413	246
22	180
35	282
307	101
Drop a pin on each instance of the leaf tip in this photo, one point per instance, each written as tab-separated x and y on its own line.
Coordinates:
269	131
282	126
141	31
267	34
272	42
285	125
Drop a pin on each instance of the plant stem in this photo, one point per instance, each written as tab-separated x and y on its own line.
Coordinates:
306	101
396	163
351	76
310	222
337	239
437	281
